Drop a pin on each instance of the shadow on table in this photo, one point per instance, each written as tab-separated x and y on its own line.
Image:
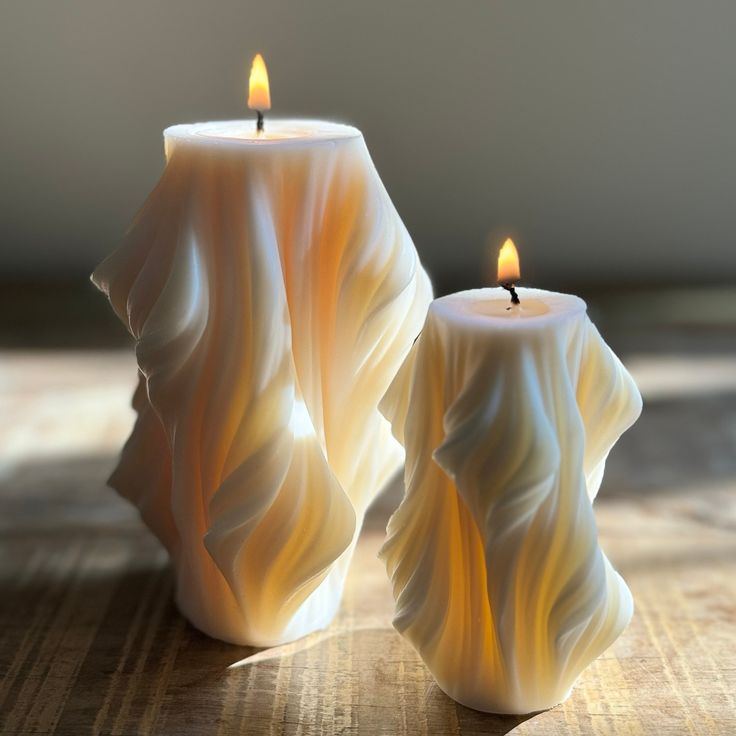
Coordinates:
92	639
91	636
112	654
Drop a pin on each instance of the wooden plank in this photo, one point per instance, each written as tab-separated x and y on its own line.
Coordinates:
91	642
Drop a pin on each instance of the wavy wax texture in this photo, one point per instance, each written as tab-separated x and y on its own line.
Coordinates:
251	283
493	554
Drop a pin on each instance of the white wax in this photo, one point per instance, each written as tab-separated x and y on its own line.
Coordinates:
273	292
235	135
507	416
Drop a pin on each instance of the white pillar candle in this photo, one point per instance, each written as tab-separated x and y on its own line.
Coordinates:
272	291
507	414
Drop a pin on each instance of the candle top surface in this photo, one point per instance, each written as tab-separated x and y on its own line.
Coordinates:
277	132
491	308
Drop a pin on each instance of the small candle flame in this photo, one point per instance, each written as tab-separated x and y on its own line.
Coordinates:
259	94
508	263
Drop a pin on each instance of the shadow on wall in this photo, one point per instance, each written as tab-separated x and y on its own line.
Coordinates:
57	314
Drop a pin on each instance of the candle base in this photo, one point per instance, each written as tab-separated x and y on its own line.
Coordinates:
485	703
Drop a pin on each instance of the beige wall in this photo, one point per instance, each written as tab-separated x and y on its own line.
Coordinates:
600	134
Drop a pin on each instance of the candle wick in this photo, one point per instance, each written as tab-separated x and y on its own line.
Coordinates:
259	121
514	296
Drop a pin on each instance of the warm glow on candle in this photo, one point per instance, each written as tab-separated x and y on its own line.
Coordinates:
508	263
259	94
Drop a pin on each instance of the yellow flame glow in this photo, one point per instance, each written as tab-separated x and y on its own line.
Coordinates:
259	93
508	263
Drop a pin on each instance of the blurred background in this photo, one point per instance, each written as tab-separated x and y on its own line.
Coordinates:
600	135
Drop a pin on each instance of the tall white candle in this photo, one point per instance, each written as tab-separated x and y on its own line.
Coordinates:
507	414
272	291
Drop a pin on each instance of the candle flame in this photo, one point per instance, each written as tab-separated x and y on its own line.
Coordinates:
508	263
259	94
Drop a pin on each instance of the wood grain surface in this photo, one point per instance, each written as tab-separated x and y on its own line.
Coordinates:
92	644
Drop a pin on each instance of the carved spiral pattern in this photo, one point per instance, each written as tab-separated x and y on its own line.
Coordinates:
493	554
272	298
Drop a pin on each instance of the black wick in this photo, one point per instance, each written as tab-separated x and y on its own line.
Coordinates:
512	291
259	121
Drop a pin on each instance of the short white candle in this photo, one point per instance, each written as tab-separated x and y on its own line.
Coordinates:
507	413
272	291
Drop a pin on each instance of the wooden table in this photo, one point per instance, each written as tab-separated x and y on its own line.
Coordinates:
91	642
